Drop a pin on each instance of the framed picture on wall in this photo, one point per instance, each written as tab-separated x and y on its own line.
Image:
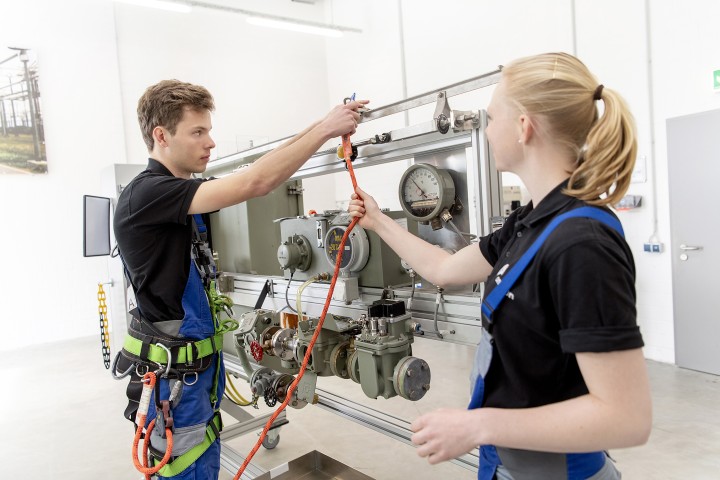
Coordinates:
22	136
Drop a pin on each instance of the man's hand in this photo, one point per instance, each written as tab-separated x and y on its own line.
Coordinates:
342	120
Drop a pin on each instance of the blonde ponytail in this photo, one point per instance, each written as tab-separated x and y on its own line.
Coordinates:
609	156
559	89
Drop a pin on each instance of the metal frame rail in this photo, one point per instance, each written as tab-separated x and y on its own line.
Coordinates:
460	312
376	420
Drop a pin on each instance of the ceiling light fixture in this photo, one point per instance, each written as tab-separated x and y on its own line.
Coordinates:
255	18
160	4
294	26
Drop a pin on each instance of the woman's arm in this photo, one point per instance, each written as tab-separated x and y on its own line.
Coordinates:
442	268
616	413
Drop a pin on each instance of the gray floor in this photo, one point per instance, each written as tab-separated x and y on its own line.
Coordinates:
61	419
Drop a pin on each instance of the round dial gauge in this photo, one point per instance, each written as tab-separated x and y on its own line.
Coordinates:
356	252
425	191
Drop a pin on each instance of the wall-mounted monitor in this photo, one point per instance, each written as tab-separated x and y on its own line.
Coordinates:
96	226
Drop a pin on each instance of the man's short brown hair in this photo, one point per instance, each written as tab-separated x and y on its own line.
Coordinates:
163	104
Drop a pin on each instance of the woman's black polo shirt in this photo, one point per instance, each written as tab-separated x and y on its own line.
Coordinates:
577	295
154	234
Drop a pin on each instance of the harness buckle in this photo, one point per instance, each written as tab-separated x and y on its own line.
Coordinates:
191	354
486	317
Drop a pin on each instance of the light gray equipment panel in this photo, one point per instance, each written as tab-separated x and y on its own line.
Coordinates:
383	267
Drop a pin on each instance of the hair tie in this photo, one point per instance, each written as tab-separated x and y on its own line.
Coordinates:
598	92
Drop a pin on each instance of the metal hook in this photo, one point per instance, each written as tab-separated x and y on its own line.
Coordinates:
229	311
137	370
114	367
169	359
193	383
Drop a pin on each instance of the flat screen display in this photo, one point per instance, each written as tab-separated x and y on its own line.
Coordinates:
96	226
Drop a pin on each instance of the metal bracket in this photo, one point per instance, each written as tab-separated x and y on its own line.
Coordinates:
442	113
295	189
463	120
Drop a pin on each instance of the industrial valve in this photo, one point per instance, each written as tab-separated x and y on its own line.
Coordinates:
374	350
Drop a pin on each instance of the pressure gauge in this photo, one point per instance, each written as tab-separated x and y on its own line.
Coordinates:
425	191
356	252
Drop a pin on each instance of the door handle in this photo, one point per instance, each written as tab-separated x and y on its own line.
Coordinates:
690	247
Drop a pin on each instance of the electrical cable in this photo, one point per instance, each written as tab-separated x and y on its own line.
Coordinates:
412	291
462	235
298	299
234	396
287	288
347	149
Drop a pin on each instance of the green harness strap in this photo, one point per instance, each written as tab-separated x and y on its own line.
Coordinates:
219	302
205	348
216	302
182	462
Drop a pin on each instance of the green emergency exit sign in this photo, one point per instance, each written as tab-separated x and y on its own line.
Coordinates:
716	80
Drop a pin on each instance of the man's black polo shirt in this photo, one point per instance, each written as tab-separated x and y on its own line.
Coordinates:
154	234
577	295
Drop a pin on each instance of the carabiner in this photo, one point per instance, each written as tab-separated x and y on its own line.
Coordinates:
169	360
114	369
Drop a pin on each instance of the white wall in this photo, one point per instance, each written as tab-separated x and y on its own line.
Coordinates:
48	289
458	39
270	84
267	83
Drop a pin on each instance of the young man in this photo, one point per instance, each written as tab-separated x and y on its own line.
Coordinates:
164	260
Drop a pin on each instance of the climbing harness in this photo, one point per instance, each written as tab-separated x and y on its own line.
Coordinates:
180	361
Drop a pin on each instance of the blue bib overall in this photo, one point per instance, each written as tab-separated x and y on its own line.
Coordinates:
574	466
195	409
199	400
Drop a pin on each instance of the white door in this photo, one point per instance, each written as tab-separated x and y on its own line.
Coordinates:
694	169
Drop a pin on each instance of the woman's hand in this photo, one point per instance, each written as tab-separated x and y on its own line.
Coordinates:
445	434
362	205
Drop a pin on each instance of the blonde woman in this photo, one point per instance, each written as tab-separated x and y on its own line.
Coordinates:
559	376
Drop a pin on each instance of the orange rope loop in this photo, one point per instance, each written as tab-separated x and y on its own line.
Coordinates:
148	380
347	151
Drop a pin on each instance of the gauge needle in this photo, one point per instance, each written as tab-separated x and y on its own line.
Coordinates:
420	189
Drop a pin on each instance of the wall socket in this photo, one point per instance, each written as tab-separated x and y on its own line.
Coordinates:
653	247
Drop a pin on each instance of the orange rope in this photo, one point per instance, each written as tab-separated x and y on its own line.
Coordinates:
347	150
149	381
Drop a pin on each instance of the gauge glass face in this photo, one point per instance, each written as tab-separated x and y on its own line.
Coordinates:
332	245
421	192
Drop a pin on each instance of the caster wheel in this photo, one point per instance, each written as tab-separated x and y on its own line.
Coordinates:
271	441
